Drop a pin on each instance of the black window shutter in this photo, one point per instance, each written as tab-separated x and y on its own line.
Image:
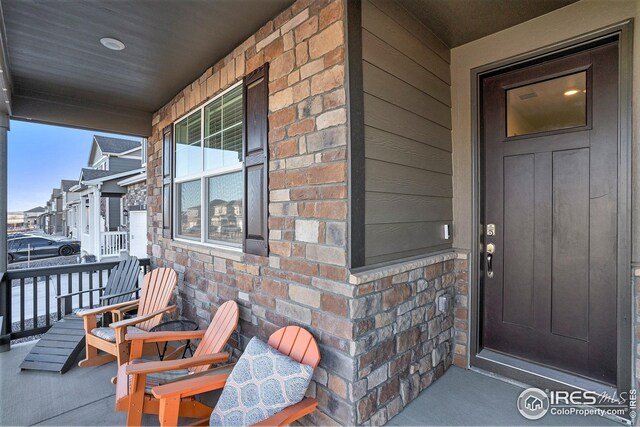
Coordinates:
255	149
167	181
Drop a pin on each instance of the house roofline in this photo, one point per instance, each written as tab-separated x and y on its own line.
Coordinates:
124	153
112	177
134	179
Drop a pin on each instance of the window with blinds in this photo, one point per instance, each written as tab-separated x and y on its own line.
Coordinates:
208	171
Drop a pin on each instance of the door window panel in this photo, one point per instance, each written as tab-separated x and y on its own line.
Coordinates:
555	104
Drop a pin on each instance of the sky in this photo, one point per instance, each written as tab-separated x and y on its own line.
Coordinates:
40	156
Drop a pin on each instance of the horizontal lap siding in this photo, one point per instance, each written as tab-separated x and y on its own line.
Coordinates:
407	115
114	213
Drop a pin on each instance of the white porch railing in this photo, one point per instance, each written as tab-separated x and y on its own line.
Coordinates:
112	242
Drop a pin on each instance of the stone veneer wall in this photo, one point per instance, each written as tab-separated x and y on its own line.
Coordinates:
304	280
461	312
136	197
402	342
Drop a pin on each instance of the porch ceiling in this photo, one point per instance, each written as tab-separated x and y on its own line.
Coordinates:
60	73
56	71
457	22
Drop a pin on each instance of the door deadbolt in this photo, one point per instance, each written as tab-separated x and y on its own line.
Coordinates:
491	229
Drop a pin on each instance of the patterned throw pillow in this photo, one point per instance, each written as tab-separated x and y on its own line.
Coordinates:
263	382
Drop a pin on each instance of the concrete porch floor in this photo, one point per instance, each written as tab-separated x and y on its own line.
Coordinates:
85	396
468	398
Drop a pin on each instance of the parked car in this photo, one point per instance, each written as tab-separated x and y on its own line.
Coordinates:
33	233
36	247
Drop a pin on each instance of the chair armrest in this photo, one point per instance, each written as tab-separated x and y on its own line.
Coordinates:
164	336
170	365
291	413
190	386
217	370
138	319
105	309
104	297
79	292
121	311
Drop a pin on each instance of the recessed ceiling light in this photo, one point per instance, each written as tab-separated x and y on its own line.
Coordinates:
571	92
110	43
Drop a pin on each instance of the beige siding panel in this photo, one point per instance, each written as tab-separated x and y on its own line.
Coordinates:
385	28
380	54
414	26
385	86
388	258
388	147
386	116
385	177
385	208
381	239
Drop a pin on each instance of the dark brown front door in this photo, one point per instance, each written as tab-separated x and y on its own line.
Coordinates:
550	191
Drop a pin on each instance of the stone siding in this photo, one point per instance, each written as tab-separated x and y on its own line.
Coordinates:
304	280
136	197
461	312
402	342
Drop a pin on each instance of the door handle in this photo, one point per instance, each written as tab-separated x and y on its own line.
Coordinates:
491	248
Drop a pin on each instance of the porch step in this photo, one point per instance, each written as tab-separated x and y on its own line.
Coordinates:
58	348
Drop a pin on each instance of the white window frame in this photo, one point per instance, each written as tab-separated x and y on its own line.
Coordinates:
204	176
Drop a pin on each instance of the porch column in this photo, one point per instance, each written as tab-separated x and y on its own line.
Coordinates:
5	286
94	226
4	127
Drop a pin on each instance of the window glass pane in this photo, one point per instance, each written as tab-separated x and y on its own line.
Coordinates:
560	103
213	154
188	149
223	131
189	209
232	138
225	207
232	107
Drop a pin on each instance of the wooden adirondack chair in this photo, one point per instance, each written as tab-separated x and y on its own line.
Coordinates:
153	303
293	341
136	378
120	287
61	344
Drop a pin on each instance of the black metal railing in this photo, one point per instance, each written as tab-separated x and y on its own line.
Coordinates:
27	290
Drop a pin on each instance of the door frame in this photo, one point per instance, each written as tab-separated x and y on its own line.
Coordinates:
529	373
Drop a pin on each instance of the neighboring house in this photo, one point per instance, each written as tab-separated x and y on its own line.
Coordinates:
57	221
43	219
98	207
70	206
31	216
15	220
134	214
354	166
52	220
